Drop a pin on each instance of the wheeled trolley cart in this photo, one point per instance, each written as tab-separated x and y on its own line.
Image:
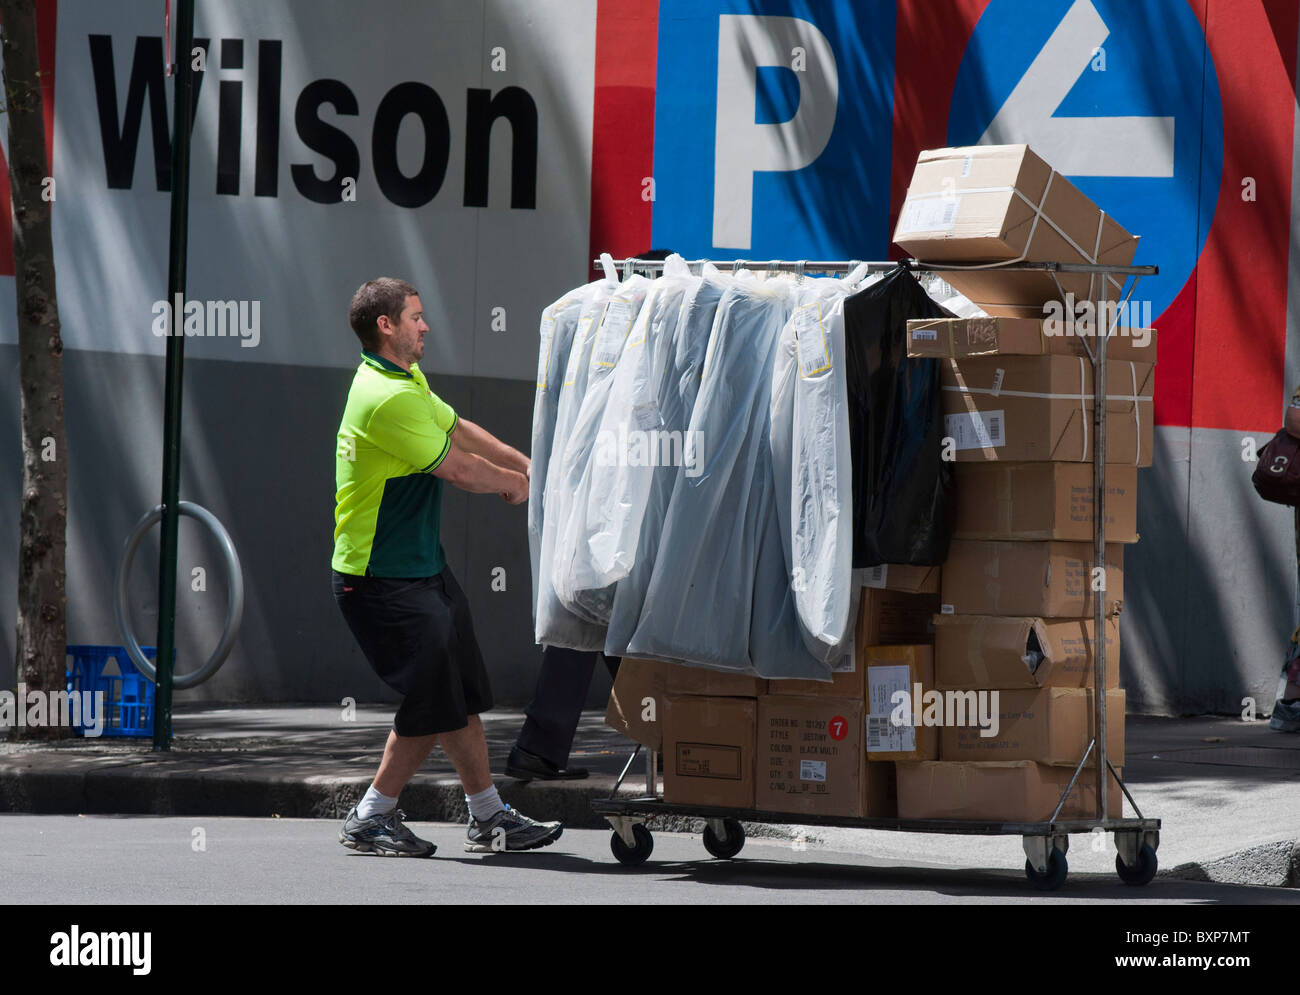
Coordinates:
1046	843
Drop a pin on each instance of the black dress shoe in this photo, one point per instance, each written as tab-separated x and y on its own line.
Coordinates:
529	767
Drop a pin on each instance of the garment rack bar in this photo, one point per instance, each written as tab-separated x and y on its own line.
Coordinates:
822	266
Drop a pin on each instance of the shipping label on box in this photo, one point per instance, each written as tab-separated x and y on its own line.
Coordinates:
810	755
896	675
886	685
1040	408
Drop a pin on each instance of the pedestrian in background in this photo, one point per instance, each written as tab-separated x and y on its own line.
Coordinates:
1286	710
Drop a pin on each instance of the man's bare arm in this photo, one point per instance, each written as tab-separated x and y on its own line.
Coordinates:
481	476
478	441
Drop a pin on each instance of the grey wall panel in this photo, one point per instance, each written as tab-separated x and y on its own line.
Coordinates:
1241	581
1153	625
259	453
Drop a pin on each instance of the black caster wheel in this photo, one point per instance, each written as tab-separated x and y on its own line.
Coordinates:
1143	871
728	848
633	856
1054	877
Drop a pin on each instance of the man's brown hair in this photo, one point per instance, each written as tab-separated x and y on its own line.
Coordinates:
386	296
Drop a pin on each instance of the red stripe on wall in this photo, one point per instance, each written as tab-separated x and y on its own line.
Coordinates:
928	47
1241	279
623	125
46	21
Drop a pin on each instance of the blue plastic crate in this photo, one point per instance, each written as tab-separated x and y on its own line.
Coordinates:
128	694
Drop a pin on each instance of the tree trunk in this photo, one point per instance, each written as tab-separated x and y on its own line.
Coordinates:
42	600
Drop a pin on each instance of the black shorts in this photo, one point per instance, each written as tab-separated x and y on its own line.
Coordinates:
418	637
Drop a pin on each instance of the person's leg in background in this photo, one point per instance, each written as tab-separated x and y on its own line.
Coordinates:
541	751
1286	711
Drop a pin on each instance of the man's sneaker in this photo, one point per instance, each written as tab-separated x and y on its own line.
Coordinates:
384	834
1286	716
510	830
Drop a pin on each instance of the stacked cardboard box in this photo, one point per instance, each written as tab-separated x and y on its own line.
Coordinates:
1015	634
800	747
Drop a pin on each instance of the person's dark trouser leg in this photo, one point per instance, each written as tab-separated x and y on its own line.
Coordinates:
553	714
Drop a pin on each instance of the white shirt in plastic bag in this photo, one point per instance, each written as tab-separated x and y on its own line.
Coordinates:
582	402
555	625
701	596
678	387
604	524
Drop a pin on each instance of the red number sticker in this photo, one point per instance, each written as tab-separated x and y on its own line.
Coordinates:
839	727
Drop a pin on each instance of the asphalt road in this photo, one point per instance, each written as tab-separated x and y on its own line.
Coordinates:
119	860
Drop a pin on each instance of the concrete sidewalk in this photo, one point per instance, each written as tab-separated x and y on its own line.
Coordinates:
1225	789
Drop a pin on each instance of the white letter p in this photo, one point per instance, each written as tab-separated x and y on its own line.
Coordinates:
743	148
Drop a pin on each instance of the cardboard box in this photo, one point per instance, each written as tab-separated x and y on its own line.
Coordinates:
709	751
1049	726
884	618
999	500
891	669
967	338
899	577
984	651
809	755
1047	579
1006	791
684	680
991	203
636	702
1037	408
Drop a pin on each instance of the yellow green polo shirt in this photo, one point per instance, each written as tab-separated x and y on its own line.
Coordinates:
395	432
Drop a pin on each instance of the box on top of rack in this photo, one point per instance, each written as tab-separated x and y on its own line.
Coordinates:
1003	203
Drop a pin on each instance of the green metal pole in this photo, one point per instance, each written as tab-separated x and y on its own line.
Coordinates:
178	245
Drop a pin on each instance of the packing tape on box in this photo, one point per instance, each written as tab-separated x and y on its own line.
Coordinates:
1081	397
1038	214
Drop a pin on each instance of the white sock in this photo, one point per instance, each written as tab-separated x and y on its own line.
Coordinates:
485	804
373	803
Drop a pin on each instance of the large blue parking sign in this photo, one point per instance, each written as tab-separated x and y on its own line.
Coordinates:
1112	94
773	128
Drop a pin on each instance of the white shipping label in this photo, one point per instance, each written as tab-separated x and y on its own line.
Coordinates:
925	335
975	429
845	664
812	770
810	338
876	576
614	327
929	213
998	376
883	682
544	351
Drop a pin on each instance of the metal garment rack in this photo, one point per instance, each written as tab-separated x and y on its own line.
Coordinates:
1045	843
